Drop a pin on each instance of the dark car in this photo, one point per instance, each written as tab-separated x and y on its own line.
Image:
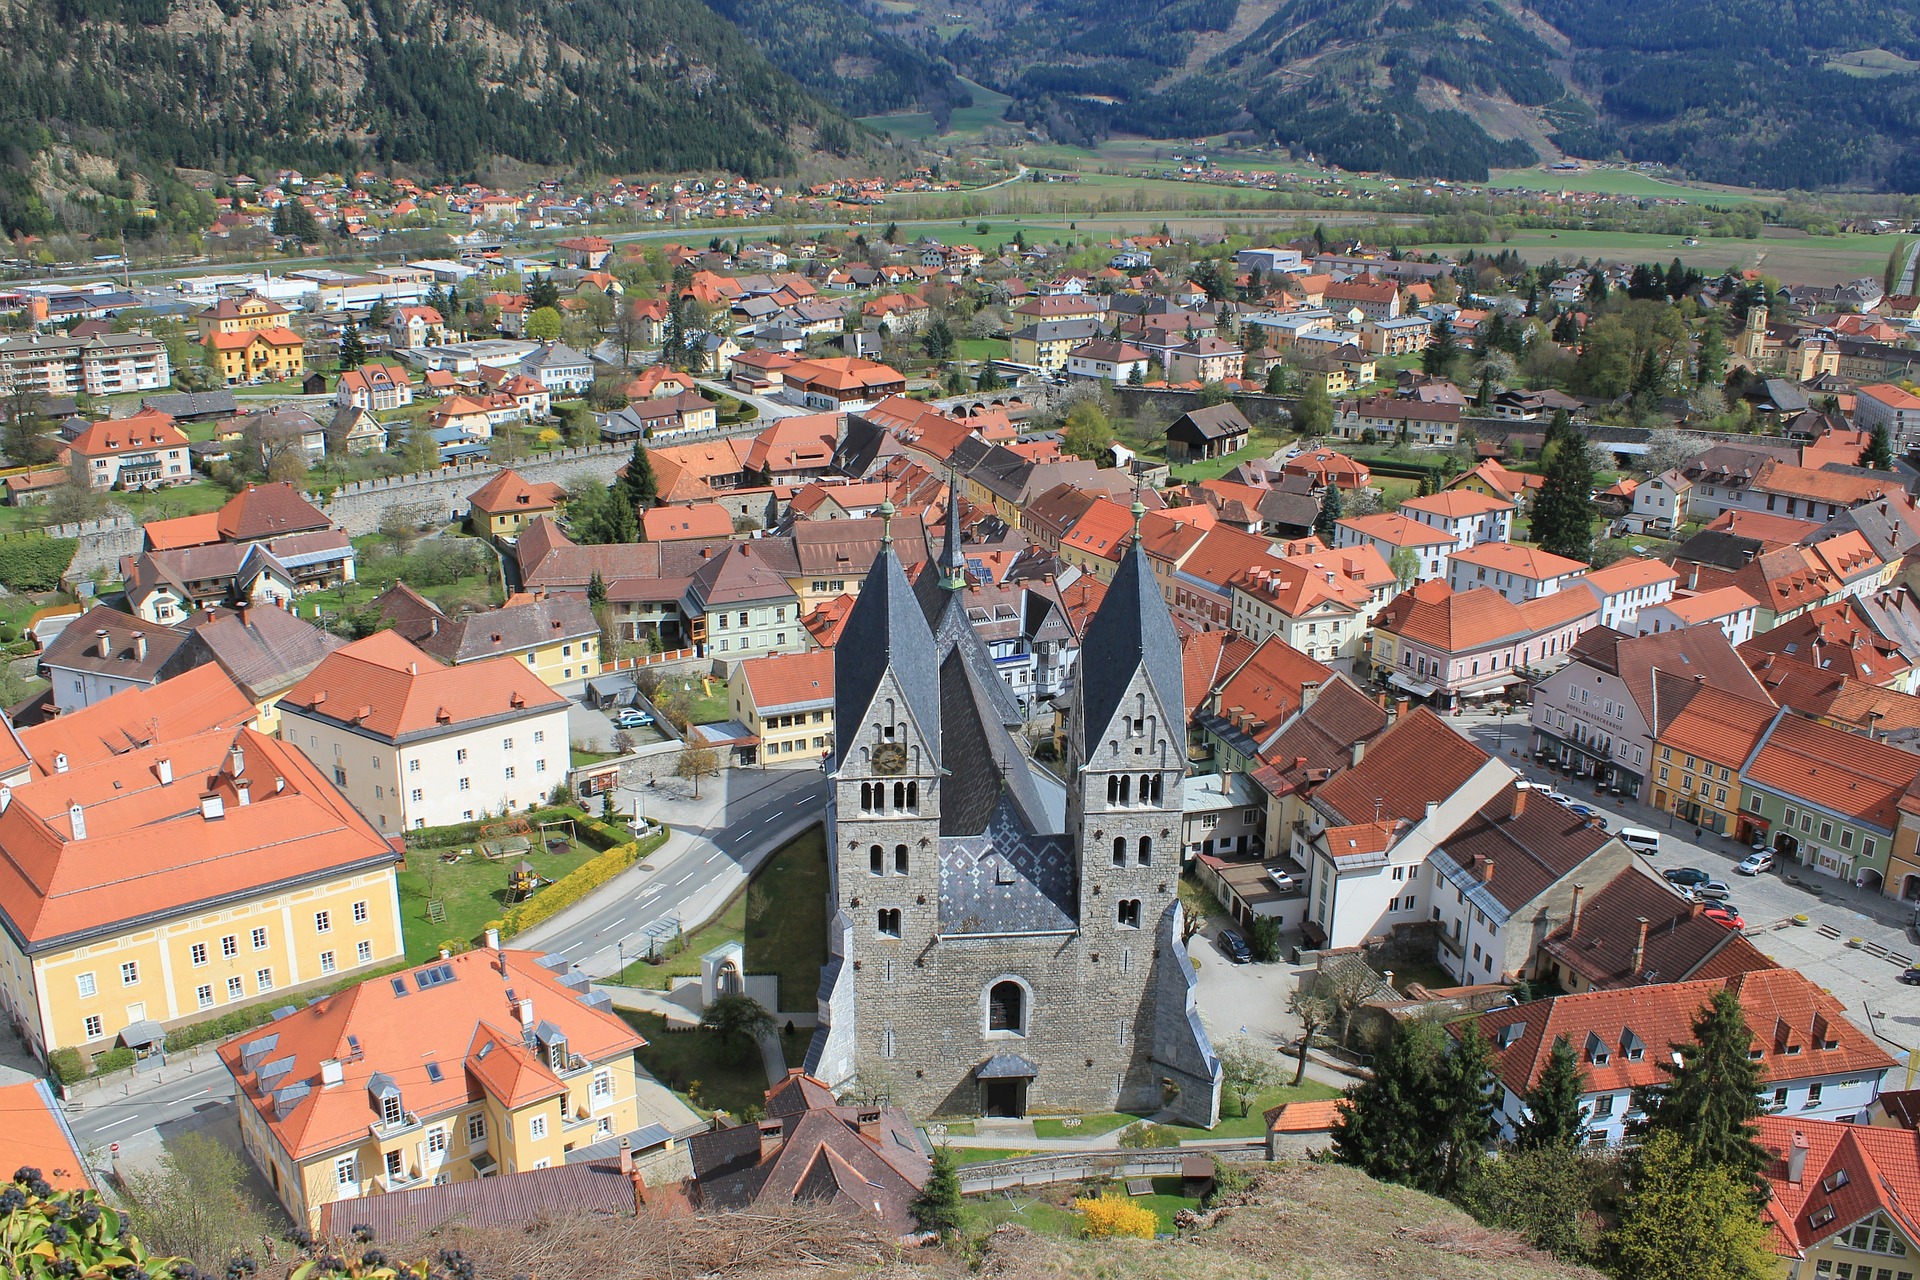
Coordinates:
1911	977
1235	946
1686	877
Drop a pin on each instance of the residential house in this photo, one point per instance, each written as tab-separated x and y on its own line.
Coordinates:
555	636
1204	360
1328	467
1497	481
786	702
1401	336
898	313
417	327
1395	535
1633	930
794	450
1373	298
1699	753
1256	689
355	431
1396	417
1840	639
1813	1061
1049	344
151	883
1520	573
1506	876
1211	432
1435	642
506	504
664	418
1828	799
1885	405
257	355
1625	587
1728	608
104	652
1659	504
1108	359
1834	1206
1469	518
699	520
413	743
244	314
144	451
106	364
1321	603
558	368
740	606
492	1061
840	384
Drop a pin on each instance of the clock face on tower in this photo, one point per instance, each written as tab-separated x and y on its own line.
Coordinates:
889	757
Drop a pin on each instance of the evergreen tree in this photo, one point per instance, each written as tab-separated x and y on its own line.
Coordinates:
1438	359
378	314
937	341
1137	374
1385	1130
293	220
597	595
353	348
1277	379
1464	1110
1684	1218
1554	1116
1710	359
543	292
937	1207
1327	523
1713	1094
639	484
1563	512
989	379
1879	451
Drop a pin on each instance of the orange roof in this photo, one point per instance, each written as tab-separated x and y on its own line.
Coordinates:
781	681
183	531
1695	607
1625	575
827	620
1314	1116
142	850
194	701
273	335
38	1136
1774	530
842	373
1456	504
1435	615
1416	759
1105	530
387	1031
1845	773
148	430
1850	1172
1397	531
699	520
386	686
1721	726
1891	396
1268	686
1522	561
1836	487
803	442
509	491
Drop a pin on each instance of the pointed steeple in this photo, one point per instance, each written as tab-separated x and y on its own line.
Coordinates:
885	632
953	559
1132	630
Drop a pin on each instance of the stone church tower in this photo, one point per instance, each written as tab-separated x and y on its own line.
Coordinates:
998	946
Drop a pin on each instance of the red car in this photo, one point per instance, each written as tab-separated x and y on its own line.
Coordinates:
1721	914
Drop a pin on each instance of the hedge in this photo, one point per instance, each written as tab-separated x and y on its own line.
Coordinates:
118	1058
67	1065
578	883
35	564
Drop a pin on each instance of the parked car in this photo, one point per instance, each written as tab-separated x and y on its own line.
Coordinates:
1724	913
1911	976
632	718
1235	946
1686	877
1711	891
1754	863
1588	812
1561	797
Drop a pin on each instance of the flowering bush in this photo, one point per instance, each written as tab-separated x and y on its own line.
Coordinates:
1111	1215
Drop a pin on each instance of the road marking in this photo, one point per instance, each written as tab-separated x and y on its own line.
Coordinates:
117	1123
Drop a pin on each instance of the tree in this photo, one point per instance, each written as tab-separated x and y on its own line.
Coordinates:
1554	1115
1549	1196
1137	374
1405	563
543	292
1712	1094
1316	1012
1313	413
937	1207
1088	432
1563	511
29	429
737	1018
1441	352
195	1203
696	762
1684	1218
1386	1130
1246	1072
1464	1109
418	452
1276	379
937	341
1327	524
1710	357
600	515
353	348
641	487
292	220
544	324
378	314
1878	454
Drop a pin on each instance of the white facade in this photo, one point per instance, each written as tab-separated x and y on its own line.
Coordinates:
459	774
1737	624
58	365
1467	530
1890	407
1610	1112
1463	574
1620	605
1660	504
1433	556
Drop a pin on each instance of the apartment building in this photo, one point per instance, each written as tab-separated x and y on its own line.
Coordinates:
786	701
55	364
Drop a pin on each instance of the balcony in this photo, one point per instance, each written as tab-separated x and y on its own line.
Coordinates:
407	1124
399	1181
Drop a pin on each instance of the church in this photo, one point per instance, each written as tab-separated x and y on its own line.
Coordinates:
1001	943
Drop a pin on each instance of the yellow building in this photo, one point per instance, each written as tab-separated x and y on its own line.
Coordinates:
1698	756
1836	1211
507	504
470	1065
239	315
170	882
1045	343
786	700
257	355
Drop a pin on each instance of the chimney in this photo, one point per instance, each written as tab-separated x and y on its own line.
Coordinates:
1299	762
493	939
626	1155
445	954
1486	870
772	1134
1639	949
1359	749
163	770
78	817
639	1192
331	1073
236	761
1433	807
869	1125
1400	706
243	791
6	797
1519	801
526	1013
139	646
1573	920
103	643
59	762
1797	1158
212	807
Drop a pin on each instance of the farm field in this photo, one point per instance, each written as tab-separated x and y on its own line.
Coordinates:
1791	256
1620	182
968	123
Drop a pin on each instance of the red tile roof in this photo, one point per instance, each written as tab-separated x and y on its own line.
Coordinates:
1682	944
38	1136
510	491
385	686
1268	686
1845	773
1850	1173
695	520
1419	758
780	682
192	702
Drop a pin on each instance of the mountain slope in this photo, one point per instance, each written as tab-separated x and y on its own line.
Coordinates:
1730	90
435	88
843	56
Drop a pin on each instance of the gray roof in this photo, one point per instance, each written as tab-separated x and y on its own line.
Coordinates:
1007	879
885	629
264	649
194	404
1131	629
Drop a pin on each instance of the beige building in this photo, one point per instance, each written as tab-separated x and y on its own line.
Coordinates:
786	700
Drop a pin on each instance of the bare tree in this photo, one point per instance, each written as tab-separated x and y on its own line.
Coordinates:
1316	1012
696	762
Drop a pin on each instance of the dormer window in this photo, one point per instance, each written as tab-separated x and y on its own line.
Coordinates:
1632	1045
1597	1051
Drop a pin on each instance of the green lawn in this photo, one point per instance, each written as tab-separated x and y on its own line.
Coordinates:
782	917
582	758
471	892
982	348
1260	443
1253	1124
984	1155
1089	1126
696	1066
1615	182
1789	255
918	126
1048	1209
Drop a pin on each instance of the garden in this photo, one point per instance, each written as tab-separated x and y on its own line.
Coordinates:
1098	1207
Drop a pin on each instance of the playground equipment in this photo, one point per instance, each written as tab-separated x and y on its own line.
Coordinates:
522	880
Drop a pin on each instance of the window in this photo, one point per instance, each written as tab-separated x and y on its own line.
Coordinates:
1826	830
506	744
322	921
95	1028
1006	1008
466	784
539	736
198	954
363	952
1813	1094
259	938
1866	846
1603	1107
230	945
460	756
876	861
326	962
1780	1097
1146	851
602	1085
203	996
413	766
346	1170
360	913
390	1109
537	1127
1119	851
476	1129
889	922
1128	913
396	1164
130	973
1846	837
236	987
87	987
509	771
436	1142
900	860
263	979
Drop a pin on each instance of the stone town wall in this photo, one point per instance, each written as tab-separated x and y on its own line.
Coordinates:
441	496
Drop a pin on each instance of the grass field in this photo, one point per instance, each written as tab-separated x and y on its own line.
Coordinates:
695	1065
1791	256
1089	1126
967	122
1253	1124
471	892
1617	182
1260	444
1049	1209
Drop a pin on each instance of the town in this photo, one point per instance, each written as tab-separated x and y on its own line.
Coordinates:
1019	725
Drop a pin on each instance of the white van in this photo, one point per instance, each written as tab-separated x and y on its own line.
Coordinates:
1640	840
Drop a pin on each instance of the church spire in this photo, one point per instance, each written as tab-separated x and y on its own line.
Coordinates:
886	523
953	559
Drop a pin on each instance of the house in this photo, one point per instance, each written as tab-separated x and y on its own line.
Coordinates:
1211	432
1109	359
1699	753
794	450
1506	875
1049	344
1384	417
864	1160
786	702
413	743
1728	608
355	431
1600	714
417	327
1468	517
839	384
244	314
1633	930
1323	467
104	652
1497	481
1433	641
1401	336
1625	587
1393	535
558	368
1659	504
154	882
1319	603
1520	573
1220	813
1884	405
375	386
1841	639
1813	1061
1204	360
698	520
144	451
264	652
506	504
492	1061
1834	1206
1257	689
897	313
269	434
1828	799
53	364
555	636
1297	1130
741	606
272	354
664	418
1373	298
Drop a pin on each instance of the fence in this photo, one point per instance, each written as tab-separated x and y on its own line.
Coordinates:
1078	1166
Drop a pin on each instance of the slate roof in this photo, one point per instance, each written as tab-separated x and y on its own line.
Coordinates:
523	623
1133	629
1530	843
77	647
885	628
264	650
1007	878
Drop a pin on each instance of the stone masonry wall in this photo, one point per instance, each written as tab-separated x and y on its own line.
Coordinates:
101	542
441	496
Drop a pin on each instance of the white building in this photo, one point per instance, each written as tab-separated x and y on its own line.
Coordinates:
1885	405
1728	608
1660	504
1625	587
1390	534
1465	515
55	364
413	743
1516	572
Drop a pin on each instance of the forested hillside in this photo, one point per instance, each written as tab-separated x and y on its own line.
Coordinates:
621	86
837	51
